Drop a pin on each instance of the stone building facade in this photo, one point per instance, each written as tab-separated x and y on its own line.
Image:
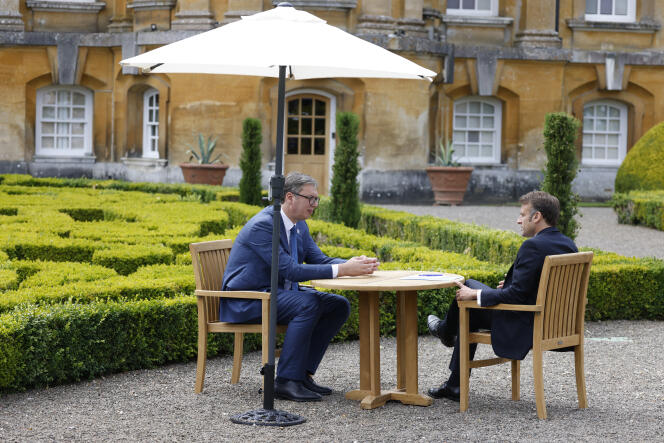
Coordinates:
69	109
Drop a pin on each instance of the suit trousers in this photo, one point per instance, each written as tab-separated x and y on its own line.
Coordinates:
478	319
313	319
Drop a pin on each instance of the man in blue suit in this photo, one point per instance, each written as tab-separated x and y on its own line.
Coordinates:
313	317
511	331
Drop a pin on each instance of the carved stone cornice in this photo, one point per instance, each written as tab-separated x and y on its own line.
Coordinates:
149	5
51	6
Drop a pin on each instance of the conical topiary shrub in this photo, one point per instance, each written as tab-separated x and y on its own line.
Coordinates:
643	167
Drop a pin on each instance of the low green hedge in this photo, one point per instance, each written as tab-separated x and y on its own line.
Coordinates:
126	259
640	207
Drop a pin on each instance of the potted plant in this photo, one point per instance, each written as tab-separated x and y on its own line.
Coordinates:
448	179
205	170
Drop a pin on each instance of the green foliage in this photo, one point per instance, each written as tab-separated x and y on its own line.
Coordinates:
640	207
203	154
560	132
126	260
643	167
345	187
250	162
444	156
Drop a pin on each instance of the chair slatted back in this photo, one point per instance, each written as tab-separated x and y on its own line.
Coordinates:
209	260
562	292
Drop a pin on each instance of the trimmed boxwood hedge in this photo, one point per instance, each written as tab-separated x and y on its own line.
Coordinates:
640	207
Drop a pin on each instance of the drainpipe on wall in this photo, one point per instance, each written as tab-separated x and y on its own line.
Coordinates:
557	14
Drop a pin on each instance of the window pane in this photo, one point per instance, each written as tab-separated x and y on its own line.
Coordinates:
459	136
587	139
474	107
474	122
612	153
292	125
473	151
473	136
319	146
487	122
591	6
63	113
153	130
459	122
599	152
605	6
600	125
601	110
305	146
319	126
487	108
150	115
64	98
293	107
79	113
621	7
600	139
62	128
306	126
48	128
77	128
588	111
156	115
487	151
461	107
460	150
484	5
587	153
487	137
77	142
153	145
62	143
47	142
453	4
614	112
48	112
614	125
588	124
320	107
307	104
49	98
468	4
79	99
612	140
291	145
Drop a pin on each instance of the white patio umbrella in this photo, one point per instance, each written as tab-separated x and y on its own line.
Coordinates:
281	42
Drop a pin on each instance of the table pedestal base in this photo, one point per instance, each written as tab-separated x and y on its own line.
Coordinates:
369	400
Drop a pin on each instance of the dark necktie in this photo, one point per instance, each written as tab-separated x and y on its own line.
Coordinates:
293	246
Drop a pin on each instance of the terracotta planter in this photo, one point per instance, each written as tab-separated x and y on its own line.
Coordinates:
195	173
449	183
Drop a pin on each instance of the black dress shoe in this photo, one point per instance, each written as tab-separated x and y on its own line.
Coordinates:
295	391
311	385
445	391
438	328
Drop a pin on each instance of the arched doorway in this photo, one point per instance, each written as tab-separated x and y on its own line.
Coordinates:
309	146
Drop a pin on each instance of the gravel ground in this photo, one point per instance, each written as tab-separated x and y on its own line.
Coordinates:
623	375
599	227
625	397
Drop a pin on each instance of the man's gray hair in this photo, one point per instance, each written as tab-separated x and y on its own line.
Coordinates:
295	181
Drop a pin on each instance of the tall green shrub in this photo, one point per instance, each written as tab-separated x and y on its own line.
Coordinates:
345	188
250	162
643	167
560	132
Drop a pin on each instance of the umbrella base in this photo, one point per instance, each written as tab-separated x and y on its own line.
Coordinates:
268	417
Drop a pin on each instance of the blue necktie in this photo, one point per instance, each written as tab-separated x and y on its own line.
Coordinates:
293	246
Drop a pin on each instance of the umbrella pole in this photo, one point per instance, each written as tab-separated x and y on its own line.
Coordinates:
268	416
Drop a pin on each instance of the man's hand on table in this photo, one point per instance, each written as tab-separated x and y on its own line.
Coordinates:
361	265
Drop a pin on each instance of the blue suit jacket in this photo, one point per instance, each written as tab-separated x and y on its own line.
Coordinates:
512	332
250	262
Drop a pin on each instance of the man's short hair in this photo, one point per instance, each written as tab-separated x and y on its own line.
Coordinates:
295	181
547	204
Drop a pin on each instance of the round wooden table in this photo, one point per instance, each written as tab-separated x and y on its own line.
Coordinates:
369	287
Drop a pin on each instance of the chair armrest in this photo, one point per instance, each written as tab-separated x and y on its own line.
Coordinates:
257	295
472	304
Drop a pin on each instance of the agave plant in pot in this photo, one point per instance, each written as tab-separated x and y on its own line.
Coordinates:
449	180
205	170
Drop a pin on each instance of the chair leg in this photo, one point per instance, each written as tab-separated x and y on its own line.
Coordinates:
516	375
464	363
538	376
201	360
237	357
580	377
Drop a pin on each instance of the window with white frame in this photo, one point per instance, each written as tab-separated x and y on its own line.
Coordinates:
151	124
611	10
472	7
604	133
64	121
477	130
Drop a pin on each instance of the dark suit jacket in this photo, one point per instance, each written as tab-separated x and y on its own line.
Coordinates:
512	332
250	263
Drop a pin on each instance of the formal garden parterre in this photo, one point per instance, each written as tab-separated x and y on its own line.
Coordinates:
95	276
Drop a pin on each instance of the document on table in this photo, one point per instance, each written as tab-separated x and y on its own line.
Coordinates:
430	276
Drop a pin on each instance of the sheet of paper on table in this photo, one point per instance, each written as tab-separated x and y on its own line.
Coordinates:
430	277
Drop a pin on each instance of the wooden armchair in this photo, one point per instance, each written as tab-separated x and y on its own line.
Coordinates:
209	260
559	323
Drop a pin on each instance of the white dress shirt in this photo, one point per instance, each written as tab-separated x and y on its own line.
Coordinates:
288	224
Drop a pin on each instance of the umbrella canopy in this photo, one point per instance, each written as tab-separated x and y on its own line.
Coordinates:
284	36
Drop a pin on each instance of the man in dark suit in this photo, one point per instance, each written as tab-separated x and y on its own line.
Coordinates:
511	332
313	317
